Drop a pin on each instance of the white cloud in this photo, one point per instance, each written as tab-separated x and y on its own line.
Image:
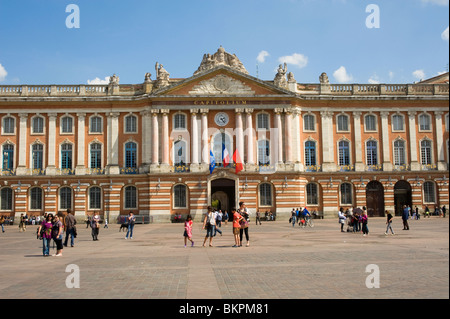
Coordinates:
262	56
391	75
437	2
99	81
296	59
3	73
342	76
444	35
374	79
419	74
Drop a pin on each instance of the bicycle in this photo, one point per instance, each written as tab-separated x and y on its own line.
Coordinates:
308	221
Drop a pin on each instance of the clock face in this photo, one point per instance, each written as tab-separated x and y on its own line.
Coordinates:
221	119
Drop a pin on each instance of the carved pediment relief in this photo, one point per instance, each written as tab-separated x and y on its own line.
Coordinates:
221	84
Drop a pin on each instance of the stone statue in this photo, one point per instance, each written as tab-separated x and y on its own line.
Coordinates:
324	78
162	76
280	77
114	80
221	57
147	77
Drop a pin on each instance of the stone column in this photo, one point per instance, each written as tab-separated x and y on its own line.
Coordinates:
250	148
328	164
165	137
205	144
22	151
359	164
146	140
288	136
81	166
113	143
441	164
194	137
415	166
239	133
297	139
155	138
387	163
51	168
279	136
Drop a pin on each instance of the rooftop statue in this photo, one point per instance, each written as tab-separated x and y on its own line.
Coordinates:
280	77
162	76
221	57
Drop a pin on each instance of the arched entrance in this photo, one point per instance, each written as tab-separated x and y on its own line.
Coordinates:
223	190
375	199
402	196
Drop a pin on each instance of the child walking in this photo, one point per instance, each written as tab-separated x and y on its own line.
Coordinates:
188	231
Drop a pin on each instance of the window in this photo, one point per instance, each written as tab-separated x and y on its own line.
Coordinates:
309	122
371	153
262	122
220	140
130	197
371	122
6	196
36	198
425	151
346	194
38	156
399	153
66	124
38	125
310	153
130	124
265	194
179	194
263	152
398	122
130	155
96	155
429	192
8	156
95	198
96	124
65	198
66	156
179	121
180	153
424	122
342	123
344	153
8	125
312	194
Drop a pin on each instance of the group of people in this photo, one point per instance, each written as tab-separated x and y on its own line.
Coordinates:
357	220
300	214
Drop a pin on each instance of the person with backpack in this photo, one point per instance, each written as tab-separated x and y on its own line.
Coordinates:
209	223
2	221
218	223
131	220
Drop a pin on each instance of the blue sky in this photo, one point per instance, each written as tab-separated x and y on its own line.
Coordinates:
314	36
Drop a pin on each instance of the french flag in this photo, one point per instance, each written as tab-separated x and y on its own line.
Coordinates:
226	156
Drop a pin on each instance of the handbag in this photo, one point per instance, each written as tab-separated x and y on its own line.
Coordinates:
243	223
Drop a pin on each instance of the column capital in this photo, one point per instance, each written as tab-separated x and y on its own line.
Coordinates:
204	111
249	111
357	113
438	114
81	115
113	114
194	111
23	115
384	114
278	110
165	112
412	114
326	114
52	116
239	111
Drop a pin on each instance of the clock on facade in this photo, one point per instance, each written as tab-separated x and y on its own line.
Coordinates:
221	119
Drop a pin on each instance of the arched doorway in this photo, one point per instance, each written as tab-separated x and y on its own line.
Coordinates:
223	190
402	196
375	199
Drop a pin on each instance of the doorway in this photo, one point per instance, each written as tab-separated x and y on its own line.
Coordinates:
375	199
402	196
223	194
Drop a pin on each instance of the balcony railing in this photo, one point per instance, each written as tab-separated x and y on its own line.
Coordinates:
346	168
129	170
374	168
180	169
8	172
429	167
313	168
402	168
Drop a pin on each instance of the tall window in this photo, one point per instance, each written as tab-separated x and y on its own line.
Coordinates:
398	122
95	197
263	152
262	121
312	194
66	156
371	153
130	124
399	153
8	125
130	155
36	198
371	122
66	124
425	151
220	140
309	122
8	156
96	124
180	121
344	153
310	153
65	198
424	122
346	194
96	155
130	197
179	194
6	196
265	194
38	156
38	125
342	122
180	152
429	192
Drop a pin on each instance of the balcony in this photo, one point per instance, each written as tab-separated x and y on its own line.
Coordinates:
8	172
180	169
402	168
429	167
374	168
346	168
313	168
129	170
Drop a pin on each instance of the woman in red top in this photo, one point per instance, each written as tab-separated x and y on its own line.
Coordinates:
236	227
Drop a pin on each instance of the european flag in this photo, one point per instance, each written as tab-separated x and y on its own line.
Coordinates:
212	162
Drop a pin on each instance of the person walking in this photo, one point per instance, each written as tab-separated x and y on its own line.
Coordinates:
218	223
106	223
45	231
2	221
237	218
188	231
444	211
131	220
364	221
22	223
95	225
342	218
243	211
57	230
70	228
258	217
389	223
209	223
293	216
405	216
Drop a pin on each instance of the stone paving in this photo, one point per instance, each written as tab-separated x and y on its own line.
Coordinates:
282	262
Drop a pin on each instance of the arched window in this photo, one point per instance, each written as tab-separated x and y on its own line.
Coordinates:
262	122
65	198
179	149
130	124
310	153
130	197
425	152
263	152
344	153
346	194
429	192
6	198
399	152
265	194
312	194
36	195
371	152
130	155
179	196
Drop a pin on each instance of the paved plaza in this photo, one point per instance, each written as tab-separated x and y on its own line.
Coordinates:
282	262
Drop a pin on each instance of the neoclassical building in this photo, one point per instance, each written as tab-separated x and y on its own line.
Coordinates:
147	147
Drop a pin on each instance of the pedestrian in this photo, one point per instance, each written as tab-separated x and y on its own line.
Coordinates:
444	210
95	225
57	230
22	223
218	223
243	211
209	223
364	221
405	216
258	217
106	223
70	228
188	231
225	217
389	223
2	221
293	216
131	220
236	227
45	233
342	218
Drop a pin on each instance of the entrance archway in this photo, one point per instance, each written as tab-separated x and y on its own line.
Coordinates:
375	199
402	196
224	190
